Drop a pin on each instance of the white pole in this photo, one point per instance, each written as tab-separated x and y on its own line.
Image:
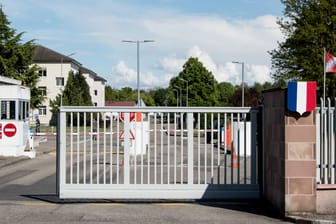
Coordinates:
324	73
137	42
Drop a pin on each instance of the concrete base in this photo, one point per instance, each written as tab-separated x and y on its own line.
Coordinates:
326	199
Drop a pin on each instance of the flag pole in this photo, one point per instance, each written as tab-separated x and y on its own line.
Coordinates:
324	73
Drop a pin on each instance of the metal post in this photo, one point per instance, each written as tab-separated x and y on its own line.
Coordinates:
138	73
187	90
138	62
243	87
175	90
180	94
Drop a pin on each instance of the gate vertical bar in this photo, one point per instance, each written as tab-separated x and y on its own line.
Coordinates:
127	142
190	148
62	149
318	145
253	147
71	147
84	149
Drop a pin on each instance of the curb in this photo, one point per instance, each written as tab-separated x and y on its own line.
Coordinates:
300	220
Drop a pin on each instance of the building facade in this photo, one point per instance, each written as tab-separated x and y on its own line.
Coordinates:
54	70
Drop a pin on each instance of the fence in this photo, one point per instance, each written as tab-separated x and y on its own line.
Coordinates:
158	152
325	143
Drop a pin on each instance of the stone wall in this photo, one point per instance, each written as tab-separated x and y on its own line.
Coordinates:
289	156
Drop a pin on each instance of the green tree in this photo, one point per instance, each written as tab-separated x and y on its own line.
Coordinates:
225	92
202	85
147	98
76	91
160	96
111	94
127	94
251	97
16	59
308	26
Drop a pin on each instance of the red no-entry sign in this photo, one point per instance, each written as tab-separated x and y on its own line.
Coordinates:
9	130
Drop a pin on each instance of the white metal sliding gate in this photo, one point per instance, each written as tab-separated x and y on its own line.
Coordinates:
157	153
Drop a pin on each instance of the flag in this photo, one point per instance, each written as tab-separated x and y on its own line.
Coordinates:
330	63
301	96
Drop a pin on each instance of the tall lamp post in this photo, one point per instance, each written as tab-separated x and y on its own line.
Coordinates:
180	94
69	55
242	64
175	90
187	90
137	42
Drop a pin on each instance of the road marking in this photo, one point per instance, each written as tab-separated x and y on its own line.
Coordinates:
36	203
107	204
52	153
172	204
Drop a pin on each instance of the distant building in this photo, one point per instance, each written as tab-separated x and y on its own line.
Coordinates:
120	104
54	72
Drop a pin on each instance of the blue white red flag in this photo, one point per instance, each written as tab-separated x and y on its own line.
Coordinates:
301	96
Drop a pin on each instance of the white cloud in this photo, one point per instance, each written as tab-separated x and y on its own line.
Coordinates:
225	72
171	64
122	74
215	40
125	76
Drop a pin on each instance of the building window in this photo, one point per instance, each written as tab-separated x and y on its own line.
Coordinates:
43	72
42	110
95	104
95	92
59	81
7	110
43	90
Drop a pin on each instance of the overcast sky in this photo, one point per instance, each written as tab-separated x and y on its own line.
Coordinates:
216	31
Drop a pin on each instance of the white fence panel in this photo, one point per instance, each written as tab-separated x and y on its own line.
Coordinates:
161	153
325	144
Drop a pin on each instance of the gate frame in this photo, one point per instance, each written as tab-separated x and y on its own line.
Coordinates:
162	191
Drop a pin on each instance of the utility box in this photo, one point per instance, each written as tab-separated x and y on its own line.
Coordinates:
15	139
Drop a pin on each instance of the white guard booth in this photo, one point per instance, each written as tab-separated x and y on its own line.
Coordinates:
15	139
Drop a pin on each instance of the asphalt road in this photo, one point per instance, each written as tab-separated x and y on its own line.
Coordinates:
28	195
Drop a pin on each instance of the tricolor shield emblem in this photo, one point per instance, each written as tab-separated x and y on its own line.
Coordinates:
301	96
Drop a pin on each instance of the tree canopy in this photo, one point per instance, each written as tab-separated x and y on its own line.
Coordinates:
202	85
16	59
308	27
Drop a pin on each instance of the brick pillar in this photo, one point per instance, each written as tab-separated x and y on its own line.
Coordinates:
289	155
300	162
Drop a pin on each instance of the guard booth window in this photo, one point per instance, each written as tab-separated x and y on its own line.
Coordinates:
7	109
23	110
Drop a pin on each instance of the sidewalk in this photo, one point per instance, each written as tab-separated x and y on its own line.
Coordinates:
42	145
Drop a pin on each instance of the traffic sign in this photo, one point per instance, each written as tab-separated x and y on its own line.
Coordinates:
9	130
122	116
122	135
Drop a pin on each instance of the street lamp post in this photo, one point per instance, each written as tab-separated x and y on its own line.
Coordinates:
242	64
187	90
180	94
62	84
175	90
137	42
